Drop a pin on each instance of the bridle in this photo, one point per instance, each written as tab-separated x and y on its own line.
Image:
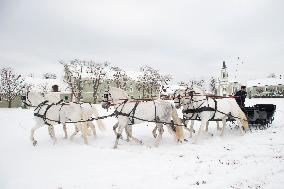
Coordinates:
26	99
107	99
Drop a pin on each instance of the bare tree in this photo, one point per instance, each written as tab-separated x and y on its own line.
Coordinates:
183	83
97	73
199	83
151	80
49	76
43	87
271	75
120	77
212	85
74	77
11	85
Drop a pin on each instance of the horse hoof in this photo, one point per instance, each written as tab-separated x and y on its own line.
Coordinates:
34	142
185	140
179	141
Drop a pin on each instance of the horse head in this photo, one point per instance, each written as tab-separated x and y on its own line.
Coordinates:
178	97
32	99
112	96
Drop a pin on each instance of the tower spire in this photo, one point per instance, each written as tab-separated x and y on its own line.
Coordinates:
224	65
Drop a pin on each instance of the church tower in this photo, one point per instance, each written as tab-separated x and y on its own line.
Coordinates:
224	73
223	81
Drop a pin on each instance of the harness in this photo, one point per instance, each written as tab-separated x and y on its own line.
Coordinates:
131	114
201	108
45	112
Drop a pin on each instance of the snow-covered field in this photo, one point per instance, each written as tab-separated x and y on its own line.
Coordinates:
255	160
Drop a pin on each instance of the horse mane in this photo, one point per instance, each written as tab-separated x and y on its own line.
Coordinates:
123	93
198	89
179	91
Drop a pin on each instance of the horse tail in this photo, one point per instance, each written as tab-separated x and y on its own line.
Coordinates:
179	129
100	123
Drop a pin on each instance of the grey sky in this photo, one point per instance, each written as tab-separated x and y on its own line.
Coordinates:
185	38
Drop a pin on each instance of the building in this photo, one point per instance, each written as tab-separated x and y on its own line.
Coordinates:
267	87
47	85
131	86
226	86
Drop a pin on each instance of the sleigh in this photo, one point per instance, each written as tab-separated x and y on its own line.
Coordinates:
259	116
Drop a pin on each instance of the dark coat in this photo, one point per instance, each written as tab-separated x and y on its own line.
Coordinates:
241	97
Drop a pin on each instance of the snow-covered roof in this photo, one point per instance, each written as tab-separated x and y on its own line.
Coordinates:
265	81
109	74
39	83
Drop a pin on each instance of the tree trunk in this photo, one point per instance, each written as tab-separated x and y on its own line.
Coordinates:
95	88
9	103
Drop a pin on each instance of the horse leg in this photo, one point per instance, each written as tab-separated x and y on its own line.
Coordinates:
218	126
75	132
154	131
84	130
65	131
33	131
52	133
224	125
118	135
92	126
114	128
203	124
240	126
191	128
129	135
206	128
161	130
128	131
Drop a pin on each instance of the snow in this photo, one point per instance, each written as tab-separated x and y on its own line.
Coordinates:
255	160
265	81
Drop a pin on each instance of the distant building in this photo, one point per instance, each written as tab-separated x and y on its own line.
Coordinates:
225	86
131	87
266	87
48	85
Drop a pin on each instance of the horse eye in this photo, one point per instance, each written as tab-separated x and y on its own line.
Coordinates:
105	95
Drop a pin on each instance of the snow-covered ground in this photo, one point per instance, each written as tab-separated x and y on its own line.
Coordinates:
255	160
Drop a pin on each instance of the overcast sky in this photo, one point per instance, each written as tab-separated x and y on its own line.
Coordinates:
188	39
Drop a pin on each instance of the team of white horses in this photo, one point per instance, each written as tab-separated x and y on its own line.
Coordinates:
50	111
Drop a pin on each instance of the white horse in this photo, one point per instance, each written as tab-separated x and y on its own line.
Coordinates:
180	100
132	112
50	113
33	99
215	108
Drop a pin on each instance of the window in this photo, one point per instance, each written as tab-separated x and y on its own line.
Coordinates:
55	88
66	98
